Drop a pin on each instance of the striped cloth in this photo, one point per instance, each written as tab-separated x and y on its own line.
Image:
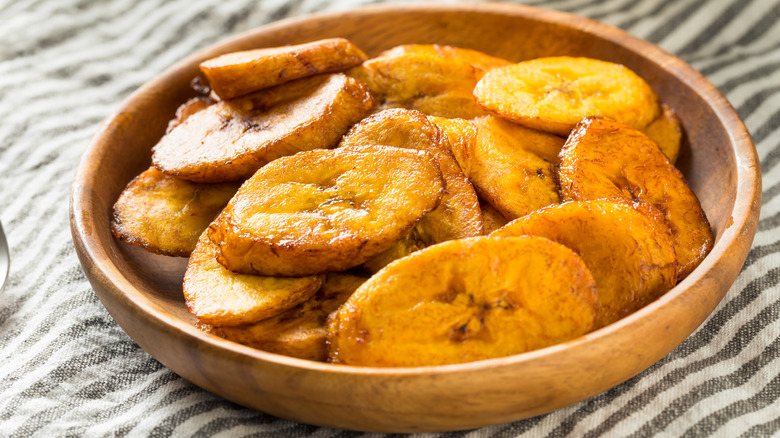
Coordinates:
67	369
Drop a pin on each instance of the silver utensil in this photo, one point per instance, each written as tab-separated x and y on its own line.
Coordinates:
5	258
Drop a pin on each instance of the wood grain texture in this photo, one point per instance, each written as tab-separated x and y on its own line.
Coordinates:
143	291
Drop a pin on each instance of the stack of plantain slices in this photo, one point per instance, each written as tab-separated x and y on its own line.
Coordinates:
428	206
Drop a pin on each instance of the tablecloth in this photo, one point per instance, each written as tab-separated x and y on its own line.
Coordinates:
67	369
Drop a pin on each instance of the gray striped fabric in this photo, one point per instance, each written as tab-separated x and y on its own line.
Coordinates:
66	369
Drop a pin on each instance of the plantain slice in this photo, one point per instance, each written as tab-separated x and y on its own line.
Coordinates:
326	210
166	215
627	247
506	169
432	84
300	331
458	215
475	58
239	73
666	131
461	135
223	298
465	300
605	159
553	94
230	140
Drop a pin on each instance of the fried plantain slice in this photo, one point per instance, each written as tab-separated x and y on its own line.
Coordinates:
230	140
166	215
666	131
223	298
506	169
553	94
475	58
300	331
628	248
461	134
458	215
605	159
432	84
465	300
326	210
239	73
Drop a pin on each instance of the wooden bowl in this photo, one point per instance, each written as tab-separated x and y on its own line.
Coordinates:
143	291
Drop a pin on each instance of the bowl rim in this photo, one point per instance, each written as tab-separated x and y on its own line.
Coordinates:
96	260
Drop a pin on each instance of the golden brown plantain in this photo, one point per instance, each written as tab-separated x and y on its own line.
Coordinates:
326	210
465	300
300	331
475	58
507	170
605	159
553	94
230	140
223	298
458	215
166	215
666	131
431	84
239	73
627	247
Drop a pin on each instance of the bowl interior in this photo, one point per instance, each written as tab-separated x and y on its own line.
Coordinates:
717	159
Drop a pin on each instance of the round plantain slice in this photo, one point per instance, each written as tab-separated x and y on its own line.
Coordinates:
230	140
507	170
475	58
166	215
432	84
458	215
300	331
666	131
239	73
465	300
627	247
605	159
553	94
223	298
326	210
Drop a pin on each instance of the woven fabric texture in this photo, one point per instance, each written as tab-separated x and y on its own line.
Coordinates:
67	369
